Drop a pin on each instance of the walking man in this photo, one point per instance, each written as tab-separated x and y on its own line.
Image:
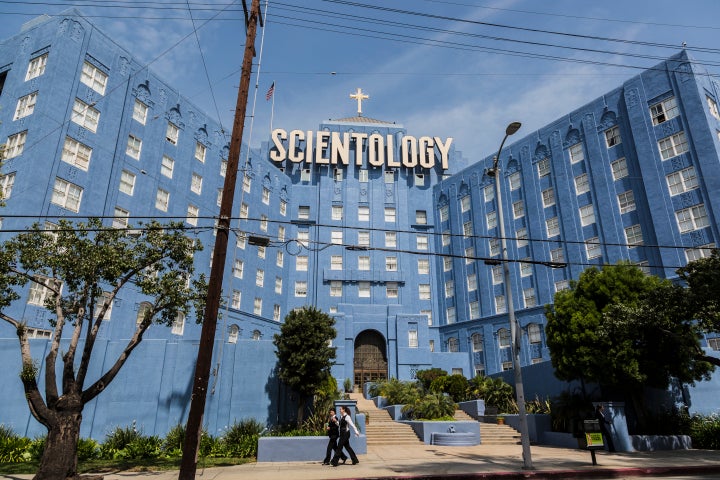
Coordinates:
346	424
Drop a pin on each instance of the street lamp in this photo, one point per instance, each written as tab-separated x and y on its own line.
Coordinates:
514	330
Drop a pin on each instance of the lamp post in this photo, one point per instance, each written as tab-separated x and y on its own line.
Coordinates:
514	330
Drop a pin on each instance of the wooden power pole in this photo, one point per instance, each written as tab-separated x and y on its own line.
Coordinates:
193	428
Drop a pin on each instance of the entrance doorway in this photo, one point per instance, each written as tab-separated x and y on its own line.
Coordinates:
370	363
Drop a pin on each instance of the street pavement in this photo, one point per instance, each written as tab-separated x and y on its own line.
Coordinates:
429	462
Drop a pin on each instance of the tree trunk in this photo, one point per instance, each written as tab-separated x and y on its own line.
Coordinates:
59	459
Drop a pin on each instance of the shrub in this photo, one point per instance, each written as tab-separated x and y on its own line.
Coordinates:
434	406
567	411
426	377
705	431
400	393
538	406
174	440
87	449
241	439
13	449
37	447
129	443
6	431
456	386
495	391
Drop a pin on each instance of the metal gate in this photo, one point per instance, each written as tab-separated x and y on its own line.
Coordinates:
370	363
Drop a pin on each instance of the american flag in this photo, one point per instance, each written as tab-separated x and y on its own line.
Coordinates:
270	92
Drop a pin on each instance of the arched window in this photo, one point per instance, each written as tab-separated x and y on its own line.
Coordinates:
256	335
178	326
233	333
477	342
534	333
143	310
453	344
504	338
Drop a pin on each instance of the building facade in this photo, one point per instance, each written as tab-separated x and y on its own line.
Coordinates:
393	233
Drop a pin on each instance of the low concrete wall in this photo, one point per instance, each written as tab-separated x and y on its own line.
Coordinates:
649	443
474	408
395	412
537	424
424	430
558	439
301	449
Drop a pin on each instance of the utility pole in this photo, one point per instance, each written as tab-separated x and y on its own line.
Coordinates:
193	429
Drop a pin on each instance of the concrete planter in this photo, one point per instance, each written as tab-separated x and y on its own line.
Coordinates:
474	408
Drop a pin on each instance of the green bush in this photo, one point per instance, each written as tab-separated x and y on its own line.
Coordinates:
130	443
538	406
14	449
426	377
434	406
400	393
495	391
456	386
240	439
87	449
6	431
705	432
37	447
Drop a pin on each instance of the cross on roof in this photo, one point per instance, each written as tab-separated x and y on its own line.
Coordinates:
359	96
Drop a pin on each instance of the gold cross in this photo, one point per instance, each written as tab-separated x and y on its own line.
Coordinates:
359	96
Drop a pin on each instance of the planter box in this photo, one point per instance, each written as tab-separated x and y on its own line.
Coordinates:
650	443
427	430
474	408
537	425
395	412
301	449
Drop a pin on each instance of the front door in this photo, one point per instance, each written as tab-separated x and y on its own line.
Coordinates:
370	358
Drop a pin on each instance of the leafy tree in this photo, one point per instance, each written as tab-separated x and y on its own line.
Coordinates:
495	391
304	352
426	377
454	385
702	278
82	268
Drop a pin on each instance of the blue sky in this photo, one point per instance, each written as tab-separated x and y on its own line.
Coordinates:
448	68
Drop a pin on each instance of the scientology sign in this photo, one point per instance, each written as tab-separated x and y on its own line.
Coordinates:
334	148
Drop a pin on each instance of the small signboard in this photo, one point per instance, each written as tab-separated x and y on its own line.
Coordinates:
594	440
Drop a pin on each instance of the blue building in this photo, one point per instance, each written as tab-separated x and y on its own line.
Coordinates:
392	232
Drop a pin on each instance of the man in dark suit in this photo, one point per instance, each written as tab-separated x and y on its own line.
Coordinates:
333	431
604	423
346	424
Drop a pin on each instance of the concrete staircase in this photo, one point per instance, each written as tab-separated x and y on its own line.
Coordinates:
492	433
382	429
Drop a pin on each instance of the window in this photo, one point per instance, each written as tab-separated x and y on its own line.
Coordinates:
178	326
447	264
421	217
412	339
713	343
633	235
543	167
489	193
301	263
196	183
424	291
548	197
364	238
283	207
336	262
276	312
428	314
364	262
236	299
419	179
278	285
172	133
582	185
301	289
451	316
521	237
134	147
6	185
503	338
94	78
338	175
390	214
518	209
305	175
26	106
514	180
256	335
449	288
140	112
468	229
431	345
40	333
491	219
712	107
465	203
200	151
421	242
67	195
391	264
692	218
238	268
477	342
162	200
77	154
218	198
471	282
525	267
244	210
166	166
619	169
263	223
279	258
281	234
587	215
557	255
423	266
497	274
363	213
127	182
494	247
552	225
39	293
592	248
337	212
500	304
469	254
561	285
15	145
445	238
247	183
626	201
364	289
682	181
241	241
36	67
529	297
576	153
391	290
673	145
362	175
303	212
390	239
257	306
336	237
444	213
389	176
85	115
703	251
664	111
534	334
612	136
120	218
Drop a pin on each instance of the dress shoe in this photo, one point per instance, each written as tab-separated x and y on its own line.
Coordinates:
344	460
356	462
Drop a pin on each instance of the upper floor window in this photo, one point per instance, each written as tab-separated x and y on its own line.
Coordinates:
15	145
363	175
712	106
390	214
25	106
6	185
619	169
534	333
421	242
626	201
85	115
692	218
592	248
612	136
421	217
140	111
587	215
491	219
664	111
576	153
543	167
36	67
283	207
389	176
503	338
514	180
682	181
134	147
305	175
162	199
548	197
419	179
518	209
444	213
127	182
67	195
552	226
172	133
412	338
94	78
200	151
673	145
477	342
465	203
167	166
423	266
266	196
633	235
75	153
489	193
196	183
582	184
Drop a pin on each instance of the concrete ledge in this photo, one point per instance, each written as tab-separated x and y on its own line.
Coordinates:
454	439
424	430
649	443
301	449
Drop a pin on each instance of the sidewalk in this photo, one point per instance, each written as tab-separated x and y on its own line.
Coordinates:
428	462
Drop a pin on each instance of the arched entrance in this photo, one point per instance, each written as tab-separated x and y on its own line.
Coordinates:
370	363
